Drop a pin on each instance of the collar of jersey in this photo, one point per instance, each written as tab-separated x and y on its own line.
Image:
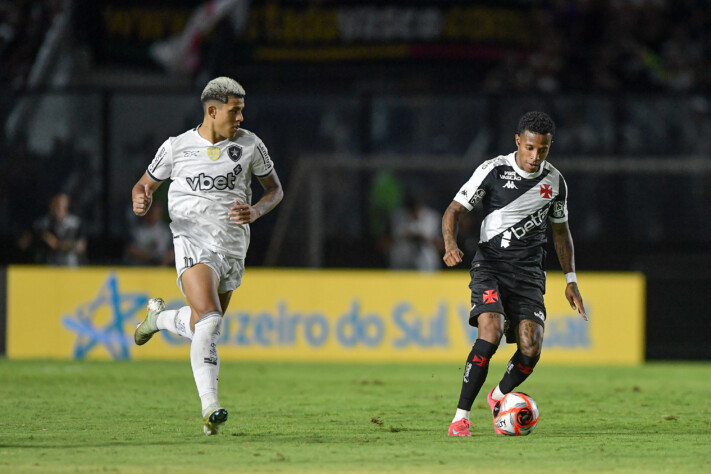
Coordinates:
511	158
206	140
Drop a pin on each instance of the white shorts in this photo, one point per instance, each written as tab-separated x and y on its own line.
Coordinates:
229	269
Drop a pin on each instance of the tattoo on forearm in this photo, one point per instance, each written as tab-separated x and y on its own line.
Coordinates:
564	250
449	228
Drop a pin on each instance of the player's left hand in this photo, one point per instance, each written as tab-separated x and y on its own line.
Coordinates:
242	213
572	294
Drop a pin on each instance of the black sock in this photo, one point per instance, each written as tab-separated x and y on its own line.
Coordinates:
518	370
475	372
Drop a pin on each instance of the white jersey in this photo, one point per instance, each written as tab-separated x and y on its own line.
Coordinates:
207	178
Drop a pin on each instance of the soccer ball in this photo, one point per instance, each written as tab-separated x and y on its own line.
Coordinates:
516	414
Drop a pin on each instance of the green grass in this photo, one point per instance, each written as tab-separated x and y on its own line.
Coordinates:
145	417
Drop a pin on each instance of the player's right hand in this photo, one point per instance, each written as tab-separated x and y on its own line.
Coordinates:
572	294
142	200
453	257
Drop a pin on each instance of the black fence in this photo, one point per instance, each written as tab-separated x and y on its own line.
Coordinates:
94	145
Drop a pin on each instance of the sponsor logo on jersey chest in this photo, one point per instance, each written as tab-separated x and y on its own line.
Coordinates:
510	175
205	182
535	220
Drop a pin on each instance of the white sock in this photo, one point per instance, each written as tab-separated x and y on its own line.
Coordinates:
176	321
460	414
204	359
497	394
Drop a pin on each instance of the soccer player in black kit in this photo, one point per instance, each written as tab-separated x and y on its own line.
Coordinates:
518	192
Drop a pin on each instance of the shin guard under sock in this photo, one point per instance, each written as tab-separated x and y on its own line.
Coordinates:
204	359
176	321
475	372
518	370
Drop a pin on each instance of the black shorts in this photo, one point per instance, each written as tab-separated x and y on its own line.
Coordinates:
503	290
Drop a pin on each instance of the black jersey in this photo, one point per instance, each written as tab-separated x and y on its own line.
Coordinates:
516	206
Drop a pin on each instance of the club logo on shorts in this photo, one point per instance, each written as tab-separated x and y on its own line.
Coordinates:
490	296
234	152
213	153
539	315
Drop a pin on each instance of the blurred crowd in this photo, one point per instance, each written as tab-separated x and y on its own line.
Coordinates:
23	26
620	77
583	45
613	45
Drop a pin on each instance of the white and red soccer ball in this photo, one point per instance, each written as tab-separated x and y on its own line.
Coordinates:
516	414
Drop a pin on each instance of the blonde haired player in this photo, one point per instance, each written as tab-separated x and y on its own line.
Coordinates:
209	201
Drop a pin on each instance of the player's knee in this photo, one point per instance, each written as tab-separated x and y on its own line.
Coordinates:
530	338
492	335
531	350
211	323
490	327
199	311
530	346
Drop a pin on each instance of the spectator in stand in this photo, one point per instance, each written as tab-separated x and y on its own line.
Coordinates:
60	235
416	240
151	241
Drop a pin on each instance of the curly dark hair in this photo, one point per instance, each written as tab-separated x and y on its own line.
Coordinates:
536	122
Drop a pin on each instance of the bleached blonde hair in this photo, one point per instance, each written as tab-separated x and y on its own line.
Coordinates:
221	89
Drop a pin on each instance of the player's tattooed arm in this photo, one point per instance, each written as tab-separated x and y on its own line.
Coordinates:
563	242
450	226
244	213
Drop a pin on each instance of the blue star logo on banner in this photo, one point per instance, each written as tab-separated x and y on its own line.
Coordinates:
90	333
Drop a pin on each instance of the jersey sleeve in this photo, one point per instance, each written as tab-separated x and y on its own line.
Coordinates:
474	190
162	165
559	206
262	164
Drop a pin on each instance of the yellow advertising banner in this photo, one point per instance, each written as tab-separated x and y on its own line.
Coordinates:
299	315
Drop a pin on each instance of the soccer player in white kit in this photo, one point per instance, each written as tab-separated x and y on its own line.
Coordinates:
209	201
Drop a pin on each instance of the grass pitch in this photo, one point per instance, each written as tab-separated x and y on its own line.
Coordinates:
145	417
